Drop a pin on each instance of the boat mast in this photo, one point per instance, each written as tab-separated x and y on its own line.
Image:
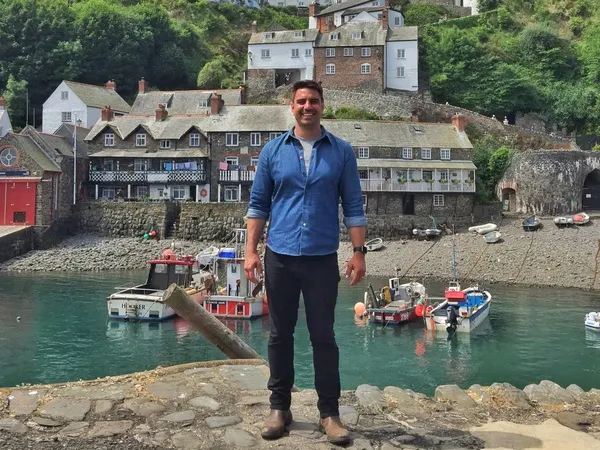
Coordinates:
453	255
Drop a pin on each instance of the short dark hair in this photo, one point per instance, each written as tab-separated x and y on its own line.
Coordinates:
307	84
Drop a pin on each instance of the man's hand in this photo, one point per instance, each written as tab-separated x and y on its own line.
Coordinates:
356	267
253	267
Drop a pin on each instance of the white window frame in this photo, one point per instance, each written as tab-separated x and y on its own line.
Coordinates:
297	33
348	51
66	117
140	165
109	193
407	153
141	191
444	175
265	53
231	194
397	21
232	139
445	154
308	52
295	53
255	139
254	161
64	95
194	139
330	69
425	153
401	53
165	143
179	192
400	72
234	160
334	36
140	140
363	152
356	36
109	139
365	69
438	200
365	52
268	35
329	52
203	103
274	135
363	174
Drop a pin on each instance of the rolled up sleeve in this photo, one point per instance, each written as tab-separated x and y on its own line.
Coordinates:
261	193
351	193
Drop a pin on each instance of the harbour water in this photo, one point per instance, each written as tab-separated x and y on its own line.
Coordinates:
53	328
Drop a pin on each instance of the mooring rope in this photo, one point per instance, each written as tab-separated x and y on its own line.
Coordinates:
525	257
417	260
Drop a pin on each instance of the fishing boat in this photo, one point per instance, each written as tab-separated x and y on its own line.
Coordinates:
462	310
581	218
374	244
592	321
395	303
428	233
483	229
563	221
145	302
531	223
492	237
233	296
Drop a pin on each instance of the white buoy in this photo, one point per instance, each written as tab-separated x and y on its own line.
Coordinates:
18	318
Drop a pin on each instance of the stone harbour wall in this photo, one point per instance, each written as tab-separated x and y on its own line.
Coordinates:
210	222
17	243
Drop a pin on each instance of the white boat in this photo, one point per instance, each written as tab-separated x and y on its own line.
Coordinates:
563	221
592	321
492	237
207	256
374	244
145	302
483	229
234	296
581	218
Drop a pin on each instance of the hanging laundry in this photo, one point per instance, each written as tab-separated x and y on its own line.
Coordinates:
168	166
251	168
223	166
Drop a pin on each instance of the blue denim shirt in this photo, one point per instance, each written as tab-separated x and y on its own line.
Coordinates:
303	207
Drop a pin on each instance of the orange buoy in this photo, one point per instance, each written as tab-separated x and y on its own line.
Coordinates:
168	254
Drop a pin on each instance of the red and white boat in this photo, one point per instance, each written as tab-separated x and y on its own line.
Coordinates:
581	218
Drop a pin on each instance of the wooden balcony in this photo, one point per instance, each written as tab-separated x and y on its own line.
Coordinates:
236	176
382	185
149	177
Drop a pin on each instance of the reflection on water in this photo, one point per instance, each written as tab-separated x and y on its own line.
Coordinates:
592	338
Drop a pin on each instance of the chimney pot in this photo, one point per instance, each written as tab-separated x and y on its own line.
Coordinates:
111	85
384	19
243	99
254	27
459	121
107	113
142	86
161	113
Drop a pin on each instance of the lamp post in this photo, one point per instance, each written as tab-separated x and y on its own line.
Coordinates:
77	122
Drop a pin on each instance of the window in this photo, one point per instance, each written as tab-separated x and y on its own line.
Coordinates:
232	139
140	165
64	95
231	194
444	176
400	72
308	52
330	69
165	143
444	153
295	53
8	157
179	192
141	191
194	139
66	117
427	175
140	140
397	21
255	140
268	35
363	152
297	33
348	51
108	165
376	3
108	193
365	69
407	153
365	52
109	139
203	103
401	53
254	161
232	160
265	53
425	153
438	200
356	36
329	52
274	136
363	174
334	36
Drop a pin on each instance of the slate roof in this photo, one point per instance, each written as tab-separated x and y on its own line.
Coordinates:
66	130
26	144
372	35
403	34
341	6
284	37
181	102
98	96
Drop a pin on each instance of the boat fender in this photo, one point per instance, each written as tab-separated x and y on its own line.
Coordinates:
429	309
386	294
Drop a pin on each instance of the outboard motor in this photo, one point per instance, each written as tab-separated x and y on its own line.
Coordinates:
451	319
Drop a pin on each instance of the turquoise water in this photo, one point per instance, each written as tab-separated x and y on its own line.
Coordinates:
63	335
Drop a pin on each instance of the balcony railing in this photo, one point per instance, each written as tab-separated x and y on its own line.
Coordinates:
149	176
236	176
382	185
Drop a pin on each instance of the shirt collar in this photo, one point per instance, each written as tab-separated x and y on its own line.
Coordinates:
324	135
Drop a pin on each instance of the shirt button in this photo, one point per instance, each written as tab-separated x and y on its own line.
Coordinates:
301	157
304	224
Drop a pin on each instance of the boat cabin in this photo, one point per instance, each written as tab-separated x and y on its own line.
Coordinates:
164	272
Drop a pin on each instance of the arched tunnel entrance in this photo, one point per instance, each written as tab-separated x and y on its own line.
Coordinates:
590	197
509	199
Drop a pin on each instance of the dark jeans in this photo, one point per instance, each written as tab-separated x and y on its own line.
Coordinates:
317	277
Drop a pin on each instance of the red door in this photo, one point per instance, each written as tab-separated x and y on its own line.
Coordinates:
17	202
3	203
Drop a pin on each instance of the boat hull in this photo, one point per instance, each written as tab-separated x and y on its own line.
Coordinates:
374	244
592	321
233	307
392	316
146	308
483	229
436	320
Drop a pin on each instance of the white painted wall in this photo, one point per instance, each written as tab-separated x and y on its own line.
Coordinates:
394	17
54	107
281	57
5	125
410	81
474	4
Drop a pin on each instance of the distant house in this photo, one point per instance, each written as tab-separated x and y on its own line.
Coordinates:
297	3
340	13
5	125
72	101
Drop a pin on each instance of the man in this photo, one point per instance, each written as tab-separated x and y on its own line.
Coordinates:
299	180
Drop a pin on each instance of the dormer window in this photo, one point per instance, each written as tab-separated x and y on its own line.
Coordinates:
140	140
334	36
165	143
356	36
269	35
204	103
109	139
194	139
298	33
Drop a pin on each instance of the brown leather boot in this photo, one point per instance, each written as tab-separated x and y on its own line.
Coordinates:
275	423
334	429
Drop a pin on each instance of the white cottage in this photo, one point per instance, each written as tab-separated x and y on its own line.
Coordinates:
72	101
402	59
5	125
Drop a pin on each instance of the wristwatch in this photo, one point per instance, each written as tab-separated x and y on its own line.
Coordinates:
360	248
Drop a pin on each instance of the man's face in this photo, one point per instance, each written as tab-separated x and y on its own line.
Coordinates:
307	107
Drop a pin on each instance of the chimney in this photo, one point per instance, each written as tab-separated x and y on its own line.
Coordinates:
111	85
387	4
254	28
215	103
384	19
313	9
107	114
161	113
2	104
142	86
243	99
459	121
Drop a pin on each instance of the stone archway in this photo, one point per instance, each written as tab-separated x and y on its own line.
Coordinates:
509	200
590	195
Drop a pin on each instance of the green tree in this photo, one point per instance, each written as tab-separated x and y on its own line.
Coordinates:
420	14
15	95
217	74
497	165
349	113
